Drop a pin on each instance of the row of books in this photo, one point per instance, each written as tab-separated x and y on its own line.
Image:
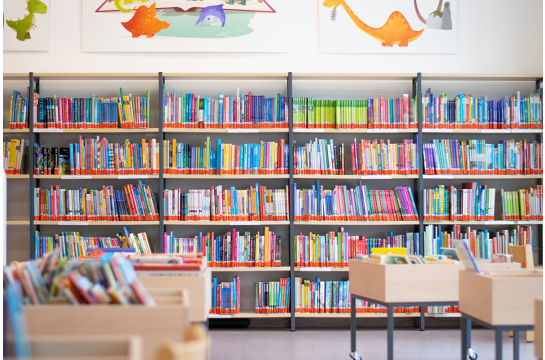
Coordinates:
374	157
334	249
319	157
470	203
18	111
133	203
379	113
110	279
73	245
264	158
469	112
256	203
233	249
240	112
272	297
14	156
126	112
524	204
476	157
354	204
225	296
482	243
334	297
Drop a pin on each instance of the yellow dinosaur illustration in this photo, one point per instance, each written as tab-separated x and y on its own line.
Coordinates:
396	30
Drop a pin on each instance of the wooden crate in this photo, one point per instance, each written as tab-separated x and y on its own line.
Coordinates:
95	347
195	347
538	328
404	283
490	266
169	320
199	288
504	297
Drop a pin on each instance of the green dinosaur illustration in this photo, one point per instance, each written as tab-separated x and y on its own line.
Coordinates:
23	26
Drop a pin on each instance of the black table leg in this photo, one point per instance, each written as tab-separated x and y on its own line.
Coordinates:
353	324
390	332
422	317
466	337
516	344
499	344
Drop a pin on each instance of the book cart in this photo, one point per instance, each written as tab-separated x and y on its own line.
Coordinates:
502	300
21	224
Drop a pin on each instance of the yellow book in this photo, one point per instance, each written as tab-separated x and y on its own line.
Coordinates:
11	161
18	110
174	164
266	250
10	110
396	251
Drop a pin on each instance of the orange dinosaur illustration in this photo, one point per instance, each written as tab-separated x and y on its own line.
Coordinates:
145	22
396	30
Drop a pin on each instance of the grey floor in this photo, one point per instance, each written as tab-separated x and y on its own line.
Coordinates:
280	344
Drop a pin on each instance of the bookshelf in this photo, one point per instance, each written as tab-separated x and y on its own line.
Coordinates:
319	86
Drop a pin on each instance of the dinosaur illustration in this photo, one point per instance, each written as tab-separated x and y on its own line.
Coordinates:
396	30
145	22
23	26
212	13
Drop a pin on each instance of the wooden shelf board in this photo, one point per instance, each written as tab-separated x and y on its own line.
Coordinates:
225	131
17	222
354	177
482	77
97	131
15	131
20	176
95	223
368	223
226	76
256	315
481	131
358	315
168	176
16	76
520	177
230	223
249	269
321	269
113	177
354	76
354	131
96	76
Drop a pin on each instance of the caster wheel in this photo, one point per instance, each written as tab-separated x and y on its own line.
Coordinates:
472	354
354	356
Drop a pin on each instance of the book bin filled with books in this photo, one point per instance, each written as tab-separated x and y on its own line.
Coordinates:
278	180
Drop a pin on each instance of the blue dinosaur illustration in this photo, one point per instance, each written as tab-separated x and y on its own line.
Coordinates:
212	13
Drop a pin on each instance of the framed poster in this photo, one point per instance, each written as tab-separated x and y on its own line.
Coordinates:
26	25
185	26
388	26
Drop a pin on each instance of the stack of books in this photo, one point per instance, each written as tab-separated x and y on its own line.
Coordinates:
523	204
476	157
18	111
240	112
168	264
468	112
15	152
377	113
272	297
265	158
319	158
374	157
133	203
470	203
225	297
357	204
234	249
334	249
110	279
125	112
254	204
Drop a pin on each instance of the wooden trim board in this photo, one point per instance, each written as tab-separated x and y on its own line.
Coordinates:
538	328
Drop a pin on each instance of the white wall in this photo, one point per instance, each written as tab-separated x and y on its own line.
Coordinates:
495	36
